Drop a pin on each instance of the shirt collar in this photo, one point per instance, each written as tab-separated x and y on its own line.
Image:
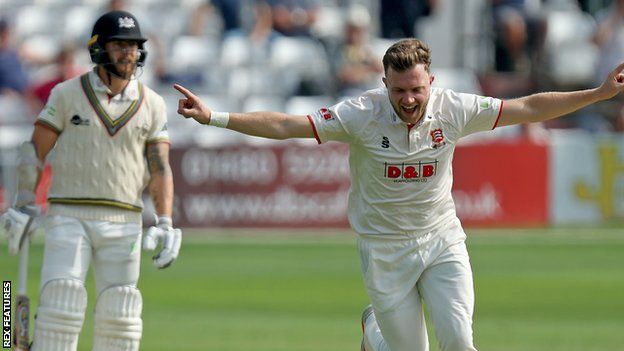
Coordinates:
130	93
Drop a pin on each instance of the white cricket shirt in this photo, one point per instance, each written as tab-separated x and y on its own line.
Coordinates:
99	158
401	175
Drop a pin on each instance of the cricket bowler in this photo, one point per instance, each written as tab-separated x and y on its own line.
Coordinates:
401	139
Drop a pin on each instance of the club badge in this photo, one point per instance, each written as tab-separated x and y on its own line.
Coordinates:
437	138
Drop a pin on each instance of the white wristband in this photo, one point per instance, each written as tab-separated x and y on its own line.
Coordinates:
164	220
219	119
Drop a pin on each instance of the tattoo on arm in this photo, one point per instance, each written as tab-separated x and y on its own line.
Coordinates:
161	183
155	161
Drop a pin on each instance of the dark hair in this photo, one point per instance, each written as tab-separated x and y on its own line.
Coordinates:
406	54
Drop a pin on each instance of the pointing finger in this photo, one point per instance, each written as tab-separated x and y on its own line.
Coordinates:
184	91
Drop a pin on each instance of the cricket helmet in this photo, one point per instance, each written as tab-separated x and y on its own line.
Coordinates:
115	25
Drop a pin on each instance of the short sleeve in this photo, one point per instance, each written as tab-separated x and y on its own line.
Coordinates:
51	116
159	132
481	113
343	121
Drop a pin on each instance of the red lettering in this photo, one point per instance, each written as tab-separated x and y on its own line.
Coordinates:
410	172
394	172
428	171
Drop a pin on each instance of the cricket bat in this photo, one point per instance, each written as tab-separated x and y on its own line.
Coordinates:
21	339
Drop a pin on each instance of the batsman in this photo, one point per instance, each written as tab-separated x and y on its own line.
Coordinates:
105	135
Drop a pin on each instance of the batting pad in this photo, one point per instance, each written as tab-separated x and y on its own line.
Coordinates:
60	315
118	324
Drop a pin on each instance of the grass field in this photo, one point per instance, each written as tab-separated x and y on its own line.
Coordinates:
546	289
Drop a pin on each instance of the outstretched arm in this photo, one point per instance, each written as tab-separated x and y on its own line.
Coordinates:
273	125
545	106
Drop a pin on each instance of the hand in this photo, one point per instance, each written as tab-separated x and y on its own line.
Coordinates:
16	224
191	106
171	241
614	84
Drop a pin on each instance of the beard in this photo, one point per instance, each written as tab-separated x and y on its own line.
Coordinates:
125	68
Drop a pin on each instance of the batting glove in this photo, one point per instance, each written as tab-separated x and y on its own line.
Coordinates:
170	238
16	224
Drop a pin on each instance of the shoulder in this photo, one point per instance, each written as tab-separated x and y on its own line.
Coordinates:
152	98
376	97
150	93
443	95
368	104
69	86
449	100
66	92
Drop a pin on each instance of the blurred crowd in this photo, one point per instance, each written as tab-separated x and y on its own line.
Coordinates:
260	54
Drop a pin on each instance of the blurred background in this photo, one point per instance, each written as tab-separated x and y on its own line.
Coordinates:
268	262
300	55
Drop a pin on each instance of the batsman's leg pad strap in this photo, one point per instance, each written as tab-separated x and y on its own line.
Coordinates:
60	315
118	324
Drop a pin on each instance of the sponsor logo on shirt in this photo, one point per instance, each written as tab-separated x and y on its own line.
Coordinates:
484	102
437	137
385	142
327	115
410	172
77	121
50	110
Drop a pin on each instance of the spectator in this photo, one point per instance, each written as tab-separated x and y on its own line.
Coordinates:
13	77
519	35
65	68
293	17
399	17
258	27
609	37
357	67
229	12
115	5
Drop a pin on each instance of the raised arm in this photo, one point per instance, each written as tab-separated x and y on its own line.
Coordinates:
545	106
273	125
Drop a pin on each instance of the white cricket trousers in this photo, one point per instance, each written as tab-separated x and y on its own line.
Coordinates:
71	244
403	272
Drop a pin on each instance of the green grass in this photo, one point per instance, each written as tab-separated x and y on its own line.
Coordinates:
538	289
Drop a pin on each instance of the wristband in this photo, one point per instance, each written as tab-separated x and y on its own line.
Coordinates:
164	220
219	119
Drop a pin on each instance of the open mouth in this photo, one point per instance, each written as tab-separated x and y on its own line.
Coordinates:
409	110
